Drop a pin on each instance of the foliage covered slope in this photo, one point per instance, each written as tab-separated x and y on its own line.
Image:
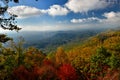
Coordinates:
96	59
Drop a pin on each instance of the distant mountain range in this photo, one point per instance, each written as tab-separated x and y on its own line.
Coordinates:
50	40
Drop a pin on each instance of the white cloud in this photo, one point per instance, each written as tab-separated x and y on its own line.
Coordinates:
85	5
25	11
111	17
111	14
57	10
85	20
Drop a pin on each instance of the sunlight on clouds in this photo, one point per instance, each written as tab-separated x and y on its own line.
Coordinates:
25	11
57	10
71	6
84	20
111	14
111	19
85	5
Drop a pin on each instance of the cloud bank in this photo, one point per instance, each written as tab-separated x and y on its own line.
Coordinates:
111	19
84	20
57	10
76	6
25	11
85	5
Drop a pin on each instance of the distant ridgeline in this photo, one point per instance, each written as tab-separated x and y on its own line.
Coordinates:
96	59
61	38
49	41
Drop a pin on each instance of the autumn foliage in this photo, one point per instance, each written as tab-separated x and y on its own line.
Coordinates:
67	72
96	59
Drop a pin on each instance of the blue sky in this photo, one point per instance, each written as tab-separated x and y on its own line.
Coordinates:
45	15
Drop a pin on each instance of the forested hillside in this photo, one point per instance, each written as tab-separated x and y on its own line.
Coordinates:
97	58
48	41
63	40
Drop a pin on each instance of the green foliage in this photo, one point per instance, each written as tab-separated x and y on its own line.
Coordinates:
7	23
98	61
101	59
84	62
66	39
79	63
33	56
114	62
19	50
101	56
7	62
10	58
4	38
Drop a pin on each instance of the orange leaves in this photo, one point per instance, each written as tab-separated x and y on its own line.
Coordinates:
67	72
22	73
61	56
57	66
47	72
47	62
33	57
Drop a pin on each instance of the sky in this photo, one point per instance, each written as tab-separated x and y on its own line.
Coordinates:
52	15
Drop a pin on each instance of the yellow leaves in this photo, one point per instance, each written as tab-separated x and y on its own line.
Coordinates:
2	60
83	52
61	56
79	63
112	44
33	56
112	41
71	55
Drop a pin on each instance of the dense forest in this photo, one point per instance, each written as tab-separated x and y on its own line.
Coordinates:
84	58
48	41
97	58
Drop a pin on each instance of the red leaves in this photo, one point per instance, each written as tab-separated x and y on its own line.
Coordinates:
47	73
67	72
47	62
21	73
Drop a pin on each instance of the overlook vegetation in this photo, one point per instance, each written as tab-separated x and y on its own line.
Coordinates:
98	58
48	41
